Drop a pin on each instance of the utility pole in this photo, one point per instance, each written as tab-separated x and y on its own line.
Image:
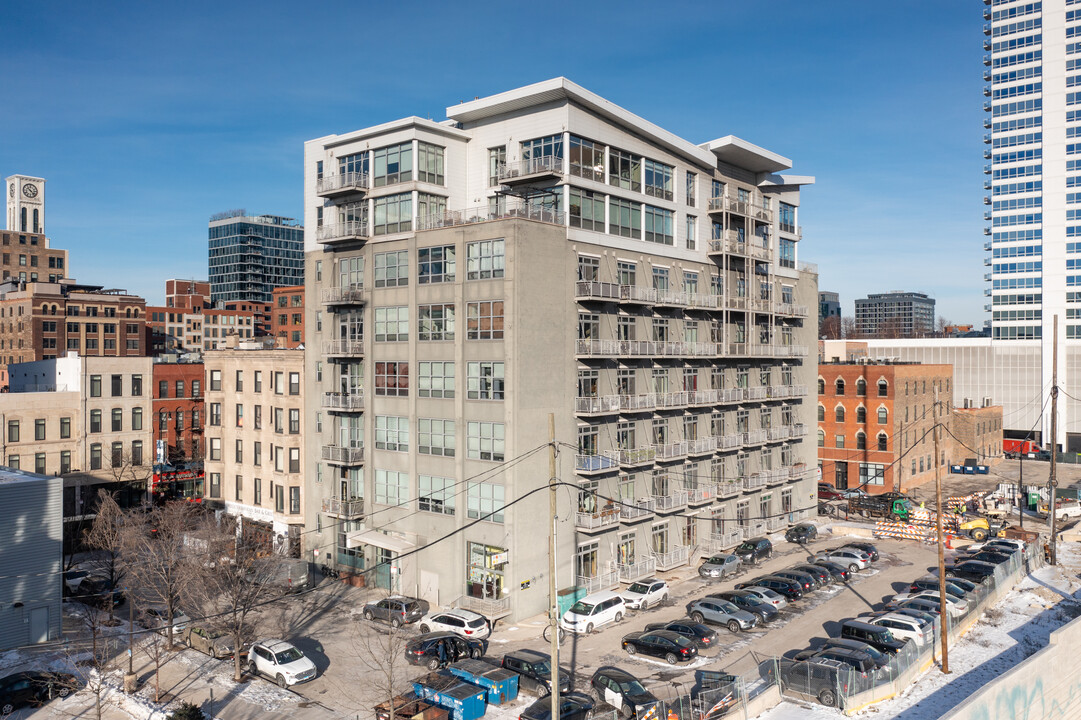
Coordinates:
1021	489
553	599
1053	481
900	457
944	615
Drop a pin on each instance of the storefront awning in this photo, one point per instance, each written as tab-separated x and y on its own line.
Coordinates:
378	539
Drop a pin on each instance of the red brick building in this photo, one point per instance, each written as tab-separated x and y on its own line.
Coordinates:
178	412
287	316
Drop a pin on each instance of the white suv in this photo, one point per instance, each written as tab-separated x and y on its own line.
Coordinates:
466	623
281	661
592	611
643	593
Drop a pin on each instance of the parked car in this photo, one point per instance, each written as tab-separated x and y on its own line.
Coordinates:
155	617
802	533
861	662
874	635
466	623
701	635
1006	543
214	643
1065	509
828	492
851	558
926	604
73	581
974	571
906	627
535	671
621	690
764	594
967	585
925	618
816	571
819	677
791	589
592	611
932	584
437	649
850	493
33	688
97	592
572	706
643	593
958	605
281	661
866	547
720	566
839	572
754	550
808	583
745	600
666	644
881	659
721	612
987	556
397	610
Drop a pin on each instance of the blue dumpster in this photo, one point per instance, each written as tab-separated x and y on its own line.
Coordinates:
970	470
982	469
501	684
957	469
465	701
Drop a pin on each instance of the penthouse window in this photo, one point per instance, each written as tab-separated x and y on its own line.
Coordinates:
658	179
587	159
393	213
393	164
355	163
430	163
550	146
624	170
587	210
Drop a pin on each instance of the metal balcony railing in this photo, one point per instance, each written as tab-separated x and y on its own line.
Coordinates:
754	437
671	451
638	402
343	401
728	488
775	524
600	581
629	572
341	183
343	347
675	499
754	481
343	507
699	495
636	456
724	540
731	395
677	556
594	463
455	218
597	520
757	393
776	477
777	434
351	295
597	405
343	455
597	290
730	441
702	446
340	232
799	430
545	165
634	510
489	607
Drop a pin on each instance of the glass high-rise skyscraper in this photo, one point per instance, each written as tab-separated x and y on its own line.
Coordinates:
250	255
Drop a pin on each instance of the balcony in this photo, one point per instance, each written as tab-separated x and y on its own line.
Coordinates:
341	455
343	348
702	446
330	186
643	348
629	572
754	437
719	542
703	397
754	481
987	246
730	395
674	500
343	402
791	309
638	403
987	28
601	581
596	291
777	434
351	295
671	298
798	430
482	213
351	231
756	393
676	557
776	477
728	488
636	511
777	523
524	171
603	405
987	231
671	451
589	464
632	457
348	508
731	441
797	471
598	521
987	59
700	495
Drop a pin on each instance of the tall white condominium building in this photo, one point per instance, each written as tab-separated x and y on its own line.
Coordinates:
643	289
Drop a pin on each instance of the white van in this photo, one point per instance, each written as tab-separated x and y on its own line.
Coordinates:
592	611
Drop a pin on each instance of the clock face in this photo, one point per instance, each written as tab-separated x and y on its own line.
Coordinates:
30	191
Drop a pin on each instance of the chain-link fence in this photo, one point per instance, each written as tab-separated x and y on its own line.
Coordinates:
716	695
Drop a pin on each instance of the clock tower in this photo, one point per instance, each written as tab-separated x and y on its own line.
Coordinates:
26	204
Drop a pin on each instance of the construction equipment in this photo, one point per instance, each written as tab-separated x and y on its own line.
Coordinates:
980	528
887	505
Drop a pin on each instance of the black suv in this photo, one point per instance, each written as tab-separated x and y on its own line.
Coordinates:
753	550
817	571
397	610
621	690
439	649
876	636
535	671
820	677
791	589
802	533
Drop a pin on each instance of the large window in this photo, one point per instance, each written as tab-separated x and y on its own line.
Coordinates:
436	380
787	253
486	501
551	146
435	437
391	488
393	164
95	422
872	474
393	213
587	210
786	217
431	206
392	269
484	320
392	324
392	379
659	226
485	381
497	159
351	273
624	170
392	433
435	494
486	441
587	159
355	163
485	259
436	322
658	179
624	218
435	264
430	163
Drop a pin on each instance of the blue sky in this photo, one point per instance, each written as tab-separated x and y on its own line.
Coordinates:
146	118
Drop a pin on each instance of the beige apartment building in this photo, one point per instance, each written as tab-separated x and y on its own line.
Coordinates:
86	419
544	251
255	439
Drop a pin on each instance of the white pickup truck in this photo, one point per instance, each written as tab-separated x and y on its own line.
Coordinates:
1065	509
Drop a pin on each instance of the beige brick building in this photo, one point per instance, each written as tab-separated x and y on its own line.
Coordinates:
255	439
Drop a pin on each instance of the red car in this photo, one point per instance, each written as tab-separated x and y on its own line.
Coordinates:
828	492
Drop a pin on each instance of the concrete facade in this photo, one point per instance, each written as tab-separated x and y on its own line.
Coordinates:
497	259
255	440
895	314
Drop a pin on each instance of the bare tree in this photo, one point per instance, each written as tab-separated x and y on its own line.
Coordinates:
379	651
849	329
155	646
104	658
830	328
161	546
125	466
234	581
106	537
